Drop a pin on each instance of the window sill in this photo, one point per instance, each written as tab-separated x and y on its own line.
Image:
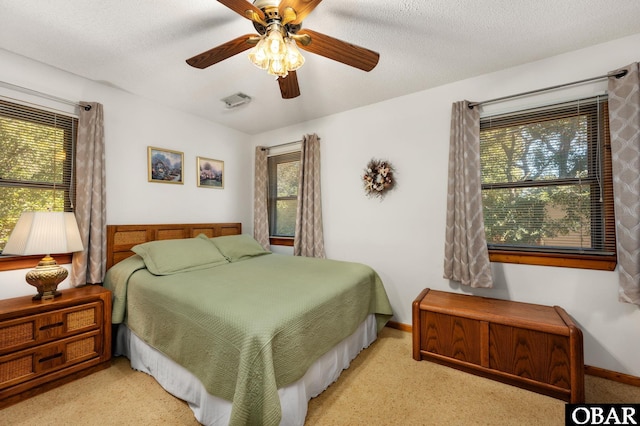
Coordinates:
281	241
10	263
601	263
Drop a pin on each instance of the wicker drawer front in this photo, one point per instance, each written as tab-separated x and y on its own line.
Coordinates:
30	363
24	332
17	333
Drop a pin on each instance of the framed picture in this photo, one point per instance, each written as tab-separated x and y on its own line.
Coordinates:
165	165
210	173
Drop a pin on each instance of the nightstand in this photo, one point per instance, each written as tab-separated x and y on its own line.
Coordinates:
44	344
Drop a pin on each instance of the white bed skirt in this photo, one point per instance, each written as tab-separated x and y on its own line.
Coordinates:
211	410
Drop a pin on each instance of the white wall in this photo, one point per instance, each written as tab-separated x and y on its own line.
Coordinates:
131	125
402	237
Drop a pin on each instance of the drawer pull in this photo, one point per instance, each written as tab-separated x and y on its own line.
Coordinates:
54	325
50	357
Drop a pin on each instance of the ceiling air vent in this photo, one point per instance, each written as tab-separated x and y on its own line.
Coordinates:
236	100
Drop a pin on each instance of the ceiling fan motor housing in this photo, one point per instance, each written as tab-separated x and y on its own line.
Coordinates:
272	16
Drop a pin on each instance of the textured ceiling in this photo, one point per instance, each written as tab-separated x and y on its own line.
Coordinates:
141	46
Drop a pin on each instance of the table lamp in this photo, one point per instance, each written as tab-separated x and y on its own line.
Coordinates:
40	233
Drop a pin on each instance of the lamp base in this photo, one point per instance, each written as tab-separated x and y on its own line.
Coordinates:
47	295
46	277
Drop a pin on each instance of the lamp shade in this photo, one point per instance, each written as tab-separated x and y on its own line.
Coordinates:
44	233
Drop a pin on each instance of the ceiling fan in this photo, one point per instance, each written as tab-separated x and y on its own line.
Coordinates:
280	33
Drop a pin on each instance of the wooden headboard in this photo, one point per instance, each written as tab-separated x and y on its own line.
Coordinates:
120	238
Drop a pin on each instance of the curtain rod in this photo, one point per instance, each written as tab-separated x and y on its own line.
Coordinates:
618	74
266	148
44	95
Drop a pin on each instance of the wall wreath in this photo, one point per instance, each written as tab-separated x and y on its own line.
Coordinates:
378	178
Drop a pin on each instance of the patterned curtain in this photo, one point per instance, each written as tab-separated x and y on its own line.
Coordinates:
624	124
89	265
309	238
466	258
260	193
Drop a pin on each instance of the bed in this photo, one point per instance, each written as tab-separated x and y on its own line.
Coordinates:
243	335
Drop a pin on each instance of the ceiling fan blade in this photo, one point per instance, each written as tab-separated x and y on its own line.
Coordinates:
245	9
302	8
340	51
222	52
289	88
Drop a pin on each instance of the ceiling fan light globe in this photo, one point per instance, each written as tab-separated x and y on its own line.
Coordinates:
275	43
262	64
258	55
277	67
293	58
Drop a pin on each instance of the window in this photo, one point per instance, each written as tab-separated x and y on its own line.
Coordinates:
284	172
36	165
547	187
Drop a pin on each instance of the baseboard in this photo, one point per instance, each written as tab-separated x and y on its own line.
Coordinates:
612	375
592	371
399	326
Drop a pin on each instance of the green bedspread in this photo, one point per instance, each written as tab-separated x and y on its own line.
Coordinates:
247	328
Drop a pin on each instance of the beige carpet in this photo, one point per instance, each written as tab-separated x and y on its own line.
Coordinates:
383	386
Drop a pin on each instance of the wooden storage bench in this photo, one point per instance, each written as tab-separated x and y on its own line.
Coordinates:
535	347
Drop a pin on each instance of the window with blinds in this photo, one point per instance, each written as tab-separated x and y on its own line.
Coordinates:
547	186
284	170
36	162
